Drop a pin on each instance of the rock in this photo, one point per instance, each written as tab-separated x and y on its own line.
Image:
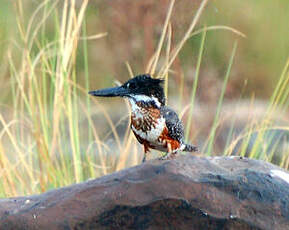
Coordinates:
186	193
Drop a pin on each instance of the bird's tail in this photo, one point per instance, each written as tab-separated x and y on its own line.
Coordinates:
190	148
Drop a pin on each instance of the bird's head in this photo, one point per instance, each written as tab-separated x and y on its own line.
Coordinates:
140	88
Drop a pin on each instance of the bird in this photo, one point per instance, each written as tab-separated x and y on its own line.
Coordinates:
155	125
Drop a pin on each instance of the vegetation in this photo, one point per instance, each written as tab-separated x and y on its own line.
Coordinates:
53	134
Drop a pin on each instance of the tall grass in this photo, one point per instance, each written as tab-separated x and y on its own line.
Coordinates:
41	143
43	146
260	150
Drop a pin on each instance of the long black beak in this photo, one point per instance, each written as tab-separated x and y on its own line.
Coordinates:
111	92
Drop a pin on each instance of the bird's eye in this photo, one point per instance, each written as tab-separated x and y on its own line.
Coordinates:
131	85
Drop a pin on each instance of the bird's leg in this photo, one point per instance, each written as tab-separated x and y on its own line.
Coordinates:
170	154
146	150
164	157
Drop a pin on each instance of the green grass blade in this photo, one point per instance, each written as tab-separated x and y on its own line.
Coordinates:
195	84
220	102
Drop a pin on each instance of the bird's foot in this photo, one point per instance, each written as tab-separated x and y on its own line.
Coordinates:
168	156
162	158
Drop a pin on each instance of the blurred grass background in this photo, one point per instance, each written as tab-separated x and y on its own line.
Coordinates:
231	91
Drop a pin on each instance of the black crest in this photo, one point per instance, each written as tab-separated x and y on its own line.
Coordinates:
146	85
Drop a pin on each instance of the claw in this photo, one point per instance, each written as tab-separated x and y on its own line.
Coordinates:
164	157
168	156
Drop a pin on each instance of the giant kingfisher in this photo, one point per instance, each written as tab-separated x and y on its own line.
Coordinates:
155	125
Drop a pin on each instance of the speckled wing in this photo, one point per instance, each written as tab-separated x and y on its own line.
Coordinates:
173	123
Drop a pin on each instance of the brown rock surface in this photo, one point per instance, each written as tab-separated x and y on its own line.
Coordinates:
185	193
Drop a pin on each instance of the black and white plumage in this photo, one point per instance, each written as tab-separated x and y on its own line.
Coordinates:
155	125
173	123
176	128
